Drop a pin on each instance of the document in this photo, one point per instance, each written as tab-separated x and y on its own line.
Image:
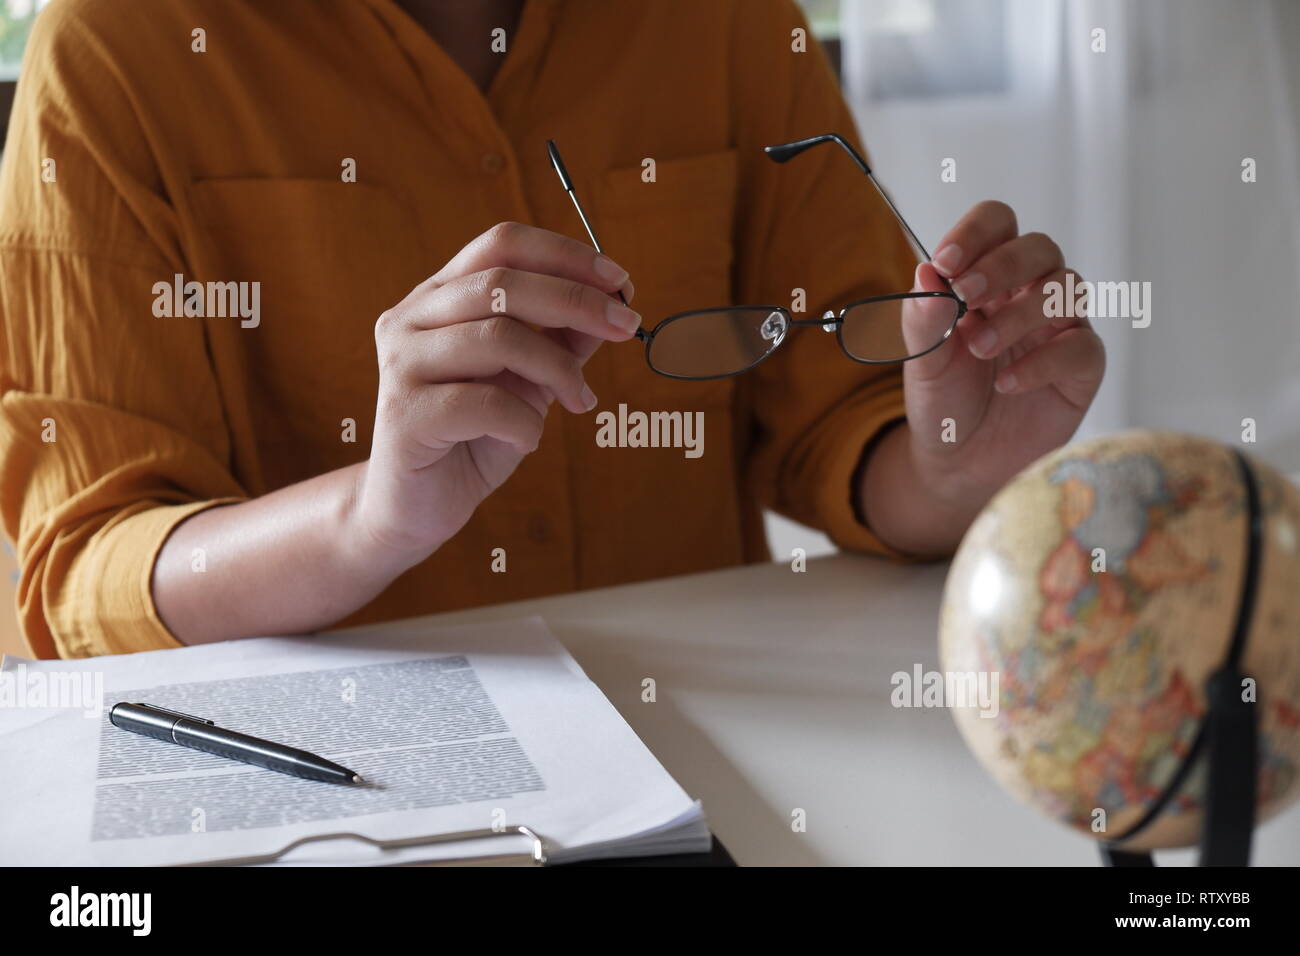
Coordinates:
475	728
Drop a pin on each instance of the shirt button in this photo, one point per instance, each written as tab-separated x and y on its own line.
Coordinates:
539	529
493	163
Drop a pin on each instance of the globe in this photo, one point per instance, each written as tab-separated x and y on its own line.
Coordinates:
1100	588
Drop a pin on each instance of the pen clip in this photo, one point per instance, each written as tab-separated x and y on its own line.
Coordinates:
177	713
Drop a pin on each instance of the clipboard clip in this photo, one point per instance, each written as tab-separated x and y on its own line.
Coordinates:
535	856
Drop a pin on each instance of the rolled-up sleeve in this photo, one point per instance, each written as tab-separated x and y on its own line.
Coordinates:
111	425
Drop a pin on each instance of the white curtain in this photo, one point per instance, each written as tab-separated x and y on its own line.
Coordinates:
1132	159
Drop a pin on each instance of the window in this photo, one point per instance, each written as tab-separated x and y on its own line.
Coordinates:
913	49
824	18
16	18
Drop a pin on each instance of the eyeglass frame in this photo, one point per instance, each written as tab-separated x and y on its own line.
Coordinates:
830	320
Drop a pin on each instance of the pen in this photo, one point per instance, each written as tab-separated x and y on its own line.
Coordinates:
198	733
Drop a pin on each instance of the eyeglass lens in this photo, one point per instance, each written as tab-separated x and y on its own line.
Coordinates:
709	344
728	341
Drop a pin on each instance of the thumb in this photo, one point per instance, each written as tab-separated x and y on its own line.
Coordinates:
927	279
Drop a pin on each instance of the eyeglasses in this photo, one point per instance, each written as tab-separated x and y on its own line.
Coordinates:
721	342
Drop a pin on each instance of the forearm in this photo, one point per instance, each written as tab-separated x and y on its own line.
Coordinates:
289	562
901	507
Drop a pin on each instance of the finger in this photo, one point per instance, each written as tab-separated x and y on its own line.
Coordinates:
483	349
542	300
579	343
1062	311
1072	313
1023	314
1008	267
536	396
443	415
992	305
934	363
1072	361
927	279
519	246
987	225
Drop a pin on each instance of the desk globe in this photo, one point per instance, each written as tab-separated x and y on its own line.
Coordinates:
1102	585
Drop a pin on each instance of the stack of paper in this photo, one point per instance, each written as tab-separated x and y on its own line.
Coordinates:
479	728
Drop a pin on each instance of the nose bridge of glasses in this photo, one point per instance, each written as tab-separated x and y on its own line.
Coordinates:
774	327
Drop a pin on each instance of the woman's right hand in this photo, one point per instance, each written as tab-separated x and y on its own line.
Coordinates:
469	362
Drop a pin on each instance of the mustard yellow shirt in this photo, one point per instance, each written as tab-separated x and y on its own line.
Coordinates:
133	158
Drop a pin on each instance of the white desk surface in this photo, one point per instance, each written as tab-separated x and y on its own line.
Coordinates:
773	694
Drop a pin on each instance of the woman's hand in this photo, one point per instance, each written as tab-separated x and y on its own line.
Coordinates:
469	362
1009	386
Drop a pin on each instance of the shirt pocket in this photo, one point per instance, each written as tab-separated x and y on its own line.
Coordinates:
329	257
675	236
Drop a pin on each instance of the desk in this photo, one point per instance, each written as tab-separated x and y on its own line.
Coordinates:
773	694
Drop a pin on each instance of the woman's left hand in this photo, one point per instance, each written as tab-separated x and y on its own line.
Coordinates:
1010	385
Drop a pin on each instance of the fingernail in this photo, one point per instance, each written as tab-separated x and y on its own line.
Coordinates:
621	317
1006	382
610	271
985	344
588	398
969	286
630	292
948	259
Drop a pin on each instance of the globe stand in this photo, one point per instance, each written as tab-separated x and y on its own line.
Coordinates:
1228	735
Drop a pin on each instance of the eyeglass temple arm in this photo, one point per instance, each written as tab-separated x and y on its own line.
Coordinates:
788	151
554	152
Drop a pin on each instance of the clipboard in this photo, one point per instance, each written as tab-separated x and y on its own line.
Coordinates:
533	853
716	855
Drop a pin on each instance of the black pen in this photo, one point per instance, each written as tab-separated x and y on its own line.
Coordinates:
199	733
